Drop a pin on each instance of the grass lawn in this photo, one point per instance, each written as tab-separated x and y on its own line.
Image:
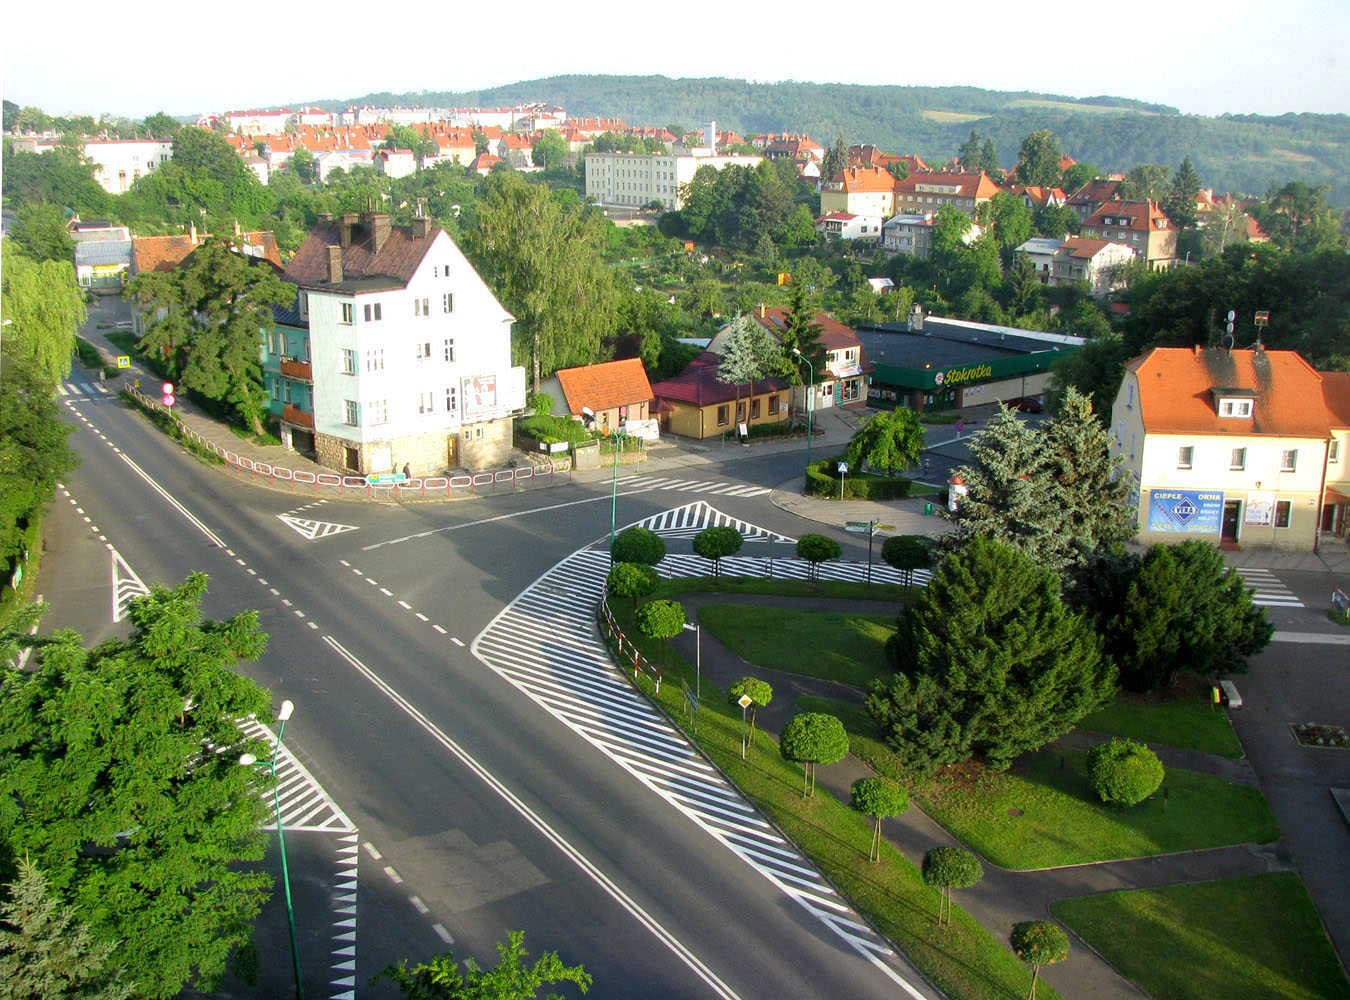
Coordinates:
963	960
1248	938
1185	719
1042	814
840	646
886	594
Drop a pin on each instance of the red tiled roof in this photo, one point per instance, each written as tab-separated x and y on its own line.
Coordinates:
606	385
833	334
972	185
1336	392
1087	248
1177	388
1095	191
1142	216
398	260
699	385
165	253
863	179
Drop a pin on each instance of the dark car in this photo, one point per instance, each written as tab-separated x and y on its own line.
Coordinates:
1025	404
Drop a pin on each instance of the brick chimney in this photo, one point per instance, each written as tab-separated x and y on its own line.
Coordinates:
346	224
334	263
379	230
420	227
192	232
762	310
325	217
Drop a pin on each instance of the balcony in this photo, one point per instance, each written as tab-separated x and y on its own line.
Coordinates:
301	370
295	415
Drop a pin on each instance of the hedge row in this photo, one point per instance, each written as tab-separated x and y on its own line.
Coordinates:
823	481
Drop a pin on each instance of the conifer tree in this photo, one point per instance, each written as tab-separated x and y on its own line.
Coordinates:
990	663
1180	201
45	952
1092	489
1010	496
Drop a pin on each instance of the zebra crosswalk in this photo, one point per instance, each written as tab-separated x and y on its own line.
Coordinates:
305	806
689	520
1269	592
631	483
83	390
546	645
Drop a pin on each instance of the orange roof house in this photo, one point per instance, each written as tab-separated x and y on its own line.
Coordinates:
614	392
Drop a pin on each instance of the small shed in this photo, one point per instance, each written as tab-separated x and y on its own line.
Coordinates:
609	395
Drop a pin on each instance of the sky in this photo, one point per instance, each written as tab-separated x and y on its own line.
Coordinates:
1201	56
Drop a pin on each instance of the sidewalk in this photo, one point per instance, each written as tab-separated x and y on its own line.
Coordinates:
1003	897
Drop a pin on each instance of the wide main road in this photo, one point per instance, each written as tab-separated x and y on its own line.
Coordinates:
477	811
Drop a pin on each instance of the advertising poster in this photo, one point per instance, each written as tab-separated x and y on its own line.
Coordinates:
480	394
1260	509
1195	512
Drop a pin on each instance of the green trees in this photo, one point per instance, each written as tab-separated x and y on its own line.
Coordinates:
133	747
638	545
760	694
800	333
550	149
1146	180
40	232
716	542
908	553
835	160
891	441
218	306
812	738
1298	217
1038	160
1123	772
443	978
1184	609
750	355
989	662
815	549
661	619
1091	491
543	260
878	798
1010	220
43	308
1180	201
1039	942
629	579
948	868
46	952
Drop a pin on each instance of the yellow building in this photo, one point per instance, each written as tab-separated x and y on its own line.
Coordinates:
1243	448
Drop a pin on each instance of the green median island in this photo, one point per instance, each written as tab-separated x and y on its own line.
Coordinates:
1187	719
1256	937
838	646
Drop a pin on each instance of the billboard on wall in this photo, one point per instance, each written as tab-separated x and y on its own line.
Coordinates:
480	394
1196	512
1260	509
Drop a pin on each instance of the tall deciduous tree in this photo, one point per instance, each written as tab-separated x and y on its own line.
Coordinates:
891	441
543	259
990	662
132	747
1299	217
550	149
1225	225
1038	160
1010	219
812	738
445	978
1185	609
43	307
1146	180
40	232
46	953
1096	369
219	307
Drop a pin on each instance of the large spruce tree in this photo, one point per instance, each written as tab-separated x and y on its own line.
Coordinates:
1093	490
990	663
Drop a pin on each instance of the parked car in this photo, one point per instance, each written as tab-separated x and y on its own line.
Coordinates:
1025	404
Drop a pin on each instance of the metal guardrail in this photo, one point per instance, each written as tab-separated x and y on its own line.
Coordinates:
628	651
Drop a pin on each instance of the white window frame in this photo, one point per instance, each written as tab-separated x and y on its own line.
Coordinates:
1289	460
351	413
1237	460
1185	456
348	361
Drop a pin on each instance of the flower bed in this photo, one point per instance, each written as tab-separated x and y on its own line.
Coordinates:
1312	734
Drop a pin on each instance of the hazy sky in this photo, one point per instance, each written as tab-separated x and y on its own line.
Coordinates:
1202	56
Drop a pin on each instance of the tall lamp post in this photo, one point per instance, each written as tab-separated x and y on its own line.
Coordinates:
614	493
810	405
248	759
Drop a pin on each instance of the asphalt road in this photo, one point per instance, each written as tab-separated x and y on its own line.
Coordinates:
488	811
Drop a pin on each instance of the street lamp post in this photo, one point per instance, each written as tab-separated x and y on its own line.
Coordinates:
810	405
698	658
287	707
614	494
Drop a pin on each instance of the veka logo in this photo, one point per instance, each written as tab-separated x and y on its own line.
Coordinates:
1185	510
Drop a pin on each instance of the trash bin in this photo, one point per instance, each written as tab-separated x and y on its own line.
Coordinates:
927	509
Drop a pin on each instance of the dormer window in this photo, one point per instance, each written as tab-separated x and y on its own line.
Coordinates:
1235	408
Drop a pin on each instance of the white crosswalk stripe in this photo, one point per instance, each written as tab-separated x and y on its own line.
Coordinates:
689	520
1269	592
546	644
304	803
692	486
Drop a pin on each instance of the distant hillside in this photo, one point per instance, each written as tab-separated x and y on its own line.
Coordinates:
1236	152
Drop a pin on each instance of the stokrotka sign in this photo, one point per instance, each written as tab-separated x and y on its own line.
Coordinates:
954	376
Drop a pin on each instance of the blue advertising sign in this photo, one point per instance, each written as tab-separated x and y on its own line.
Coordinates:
1196	512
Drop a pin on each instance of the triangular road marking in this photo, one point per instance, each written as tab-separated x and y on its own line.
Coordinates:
314	529
125	586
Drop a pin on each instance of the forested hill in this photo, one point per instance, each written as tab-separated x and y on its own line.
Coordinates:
1241	153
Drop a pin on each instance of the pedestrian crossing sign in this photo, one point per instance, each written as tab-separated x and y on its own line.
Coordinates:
123	361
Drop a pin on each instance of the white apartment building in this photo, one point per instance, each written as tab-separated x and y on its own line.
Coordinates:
118	163
410	352
637	179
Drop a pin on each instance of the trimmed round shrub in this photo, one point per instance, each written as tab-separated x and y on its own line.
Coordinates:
1123	772
638	545
951	868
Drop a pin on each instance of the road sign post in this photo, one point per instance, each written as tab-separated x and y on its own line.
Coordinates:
386	479
123	361
744	701
843	471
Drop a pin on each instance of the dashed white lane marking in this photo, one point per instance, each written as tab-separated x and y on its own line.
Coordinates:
419	906
404	605
370	849
311	624
439	629
421	617
457	641
393	874
442	933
